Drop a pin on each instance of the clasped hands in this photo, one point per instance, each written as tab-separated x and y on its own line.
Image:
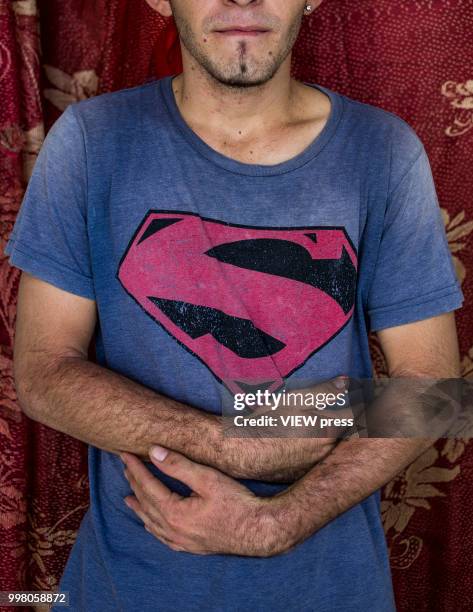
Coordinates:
220	516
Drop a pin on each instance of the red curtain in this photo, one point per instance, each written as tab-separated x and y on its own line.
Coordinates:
412	58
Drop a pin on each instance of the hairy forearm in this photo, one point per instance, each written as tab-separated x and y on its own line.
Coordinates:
110	411
355	469
273	459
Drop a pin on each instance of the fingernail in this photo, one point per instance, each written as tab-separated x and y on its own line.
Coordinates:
340	382
159	453
122	457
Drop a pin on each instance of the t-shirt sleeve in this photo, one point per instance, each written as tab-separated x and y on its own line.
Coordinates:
414	276
50	237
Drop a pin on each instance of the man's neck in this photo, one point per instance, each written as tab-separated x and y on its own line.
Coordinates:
245	110
264	124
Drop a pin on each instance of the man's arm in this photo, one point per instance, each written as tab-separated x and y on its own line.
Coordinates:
59	387
224	517
356	468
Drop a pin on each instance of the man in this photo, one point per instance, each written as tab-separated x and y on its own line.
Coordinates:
225	226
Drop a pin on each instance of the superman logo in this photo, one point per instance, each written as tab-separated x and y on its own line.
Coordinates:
252	303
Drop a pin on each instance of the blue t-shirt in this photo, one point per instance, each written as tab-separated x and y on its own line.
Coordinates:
207	272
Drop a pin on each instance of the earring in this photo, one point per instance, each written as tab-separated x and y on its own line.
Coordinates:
308	8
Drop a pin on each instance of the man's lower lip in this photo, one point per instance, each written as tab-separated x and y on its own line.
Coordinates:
242	32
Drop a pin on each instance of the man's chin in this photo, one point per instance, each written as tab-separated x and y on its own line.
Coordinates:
243	80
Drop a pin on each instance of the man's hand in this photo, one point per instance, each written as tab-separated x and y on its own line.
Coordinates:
221	516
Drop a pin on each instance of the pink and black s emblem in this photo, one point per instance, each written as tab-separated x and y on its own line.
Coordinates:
252	303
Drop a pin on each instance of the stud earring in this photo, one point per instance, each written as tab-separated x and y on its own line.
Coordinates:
308	8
